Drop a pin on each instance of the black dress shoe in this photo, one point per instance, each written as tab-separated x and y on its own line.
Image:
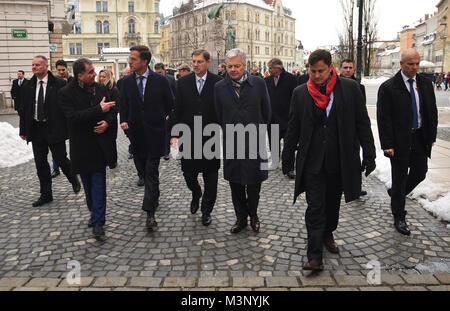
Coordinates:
291	175
43	199
141	182
238	226
313	265
195	205
363	193
151	223
98	231
166	157
402	227
206	219
55	173
76	186
254	223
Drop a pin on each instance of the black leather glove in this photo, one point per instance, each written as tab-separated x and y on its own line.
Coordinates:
368	166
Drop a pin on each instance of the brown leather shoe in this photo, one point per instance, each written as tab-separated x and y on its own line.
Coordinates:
238	226
314	265
254	223
331	245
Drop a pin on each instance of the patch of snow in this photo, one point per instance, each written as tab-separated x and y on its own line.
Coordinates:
13	150
374	81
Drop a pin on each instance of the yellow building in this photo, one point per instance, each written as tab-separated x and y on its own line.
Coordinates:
112	23
407	38
442	53
165	38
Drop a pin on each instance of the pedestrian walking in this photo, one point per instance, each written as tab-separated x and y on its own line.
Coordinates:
407	124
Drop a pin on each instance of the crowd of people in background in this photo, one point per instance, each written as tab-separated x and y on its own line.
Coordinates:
441	81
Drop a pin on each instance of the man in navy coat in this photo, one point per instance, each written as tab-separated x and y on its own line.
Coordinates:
146	101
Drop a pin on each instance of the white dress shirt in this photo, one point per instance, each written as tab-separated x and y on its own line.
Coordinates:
38	86
416	93
197	79
330	104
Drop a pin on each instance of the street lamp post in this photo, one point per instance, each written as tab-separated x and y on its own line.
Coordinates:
218	60
359	46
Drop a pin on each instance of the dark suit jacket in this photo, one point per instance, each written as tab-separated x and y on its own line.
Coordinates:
16	94
251	107
353	126
303	79
55	118
89	152
395	114
188	104
146	119
280	97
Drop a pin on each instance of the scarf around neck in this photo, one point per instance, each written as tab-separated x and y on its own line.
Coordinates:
322	100
237	84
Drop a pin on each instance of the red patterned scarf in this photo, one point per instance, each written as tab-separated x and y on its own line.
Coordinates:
320	99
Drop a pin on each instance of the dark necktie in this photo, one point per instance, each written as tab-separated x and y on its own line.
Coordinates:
20	82
414	105
141	87
40	106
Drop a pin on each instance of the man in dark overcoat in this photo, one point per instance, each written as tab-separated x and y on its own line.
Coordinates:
43	124
280	85
195	98
146	101
90	116
328	118
407	125
242	100
17	89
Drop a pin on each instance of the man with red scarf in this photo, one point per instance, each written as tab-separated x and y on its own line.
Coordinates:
327	120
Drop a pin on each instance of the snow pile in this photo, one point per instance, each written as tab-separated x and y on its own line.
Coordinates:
13	150
374	81
433	197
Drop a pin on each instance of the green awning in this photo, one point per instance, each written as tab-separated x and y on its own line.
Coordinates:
214	12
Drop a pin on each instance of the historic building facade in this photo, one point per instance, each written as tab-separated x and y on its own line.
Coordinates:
112	24
262	28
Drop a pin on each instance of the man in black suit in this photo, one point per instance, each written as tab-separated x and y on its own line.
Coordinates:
328	118
222	70
146	101
44	125
242	100
255	72
195	97
16	90
280	85
347	70
407	123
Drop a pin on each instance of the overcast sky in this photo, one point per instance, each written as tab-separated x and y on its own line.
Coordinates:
319	21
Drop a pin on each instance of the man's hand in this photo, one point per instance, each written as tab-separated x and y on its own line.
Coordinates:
124	126
389	153
101	127
174	142
23	137
368	166
106	106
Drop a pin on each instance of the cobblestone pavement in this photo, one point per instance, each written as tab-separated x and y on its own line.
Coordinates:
37	243
443	133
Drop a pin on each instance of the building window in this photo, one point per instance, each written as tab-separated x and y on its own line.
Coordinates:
99	6
156	27
233	15
105	27
131	7
106	45
75	49
105	6
132	44
156	7
99	48
131	26
99	27
76	28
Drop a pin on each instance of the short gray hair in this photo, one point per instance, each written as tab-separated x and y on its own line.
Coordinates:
237	52
276	63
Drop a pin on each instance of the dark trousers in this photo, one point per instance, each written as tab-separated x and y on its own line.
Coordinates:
210	178
94	185
55	166
245	200
323	195
150	173
40	152
139	163
404	181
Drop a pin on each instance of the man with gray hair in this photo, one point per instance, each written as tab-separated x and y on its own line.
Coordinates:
407	123
281	85
242	100
43	124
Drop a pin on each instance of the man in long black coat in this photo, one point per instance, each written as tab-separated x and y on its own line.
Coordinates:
242	100
195	98
280	85
145	104
328	118
17	89
92	137
43	124
407	126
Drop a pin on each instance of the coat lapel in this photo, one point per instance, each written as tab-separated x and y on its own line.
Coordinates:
231	90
